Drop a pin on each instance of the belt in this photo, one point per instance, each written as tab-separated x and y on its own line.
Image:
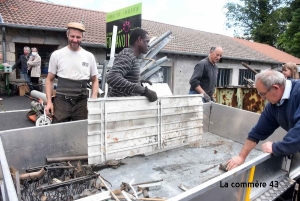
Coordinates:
72	97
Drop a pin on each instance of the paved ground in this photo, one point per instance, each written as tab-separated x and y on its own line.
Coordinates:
13	112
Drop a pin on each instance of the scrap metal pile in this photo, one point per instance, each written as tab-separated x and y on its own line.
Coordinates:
57	181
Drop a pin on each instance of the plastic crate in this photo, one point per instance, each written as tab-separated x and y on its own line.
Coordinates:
7	68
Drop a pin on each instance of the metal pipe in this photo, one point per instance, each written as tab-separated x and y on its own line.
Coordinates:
249	68
157	63
59	167
8	182
66	158
33	175
159	39
103	75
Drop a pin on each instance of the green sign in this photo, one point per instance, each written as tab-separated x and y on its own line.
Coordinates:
124	12
126	20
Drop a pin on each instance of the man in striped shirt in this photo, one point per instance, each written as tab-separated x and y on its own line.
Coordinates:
124	77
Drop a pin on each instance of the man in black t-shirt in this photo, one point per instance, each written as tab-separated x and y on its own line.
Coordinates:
204	78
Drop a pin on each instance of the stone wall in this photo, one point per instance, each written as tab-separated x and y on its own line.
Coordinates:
41	37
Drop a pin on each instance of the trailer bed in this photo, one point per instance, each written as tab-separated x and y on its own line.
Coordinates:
190	165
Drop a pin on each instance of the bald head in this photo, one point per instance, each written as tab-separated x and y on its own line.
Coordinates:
215	54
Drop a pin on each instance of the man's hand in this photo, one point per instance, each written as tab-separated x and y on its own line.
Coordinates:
49	109
206	97
234	162
267	147
151	95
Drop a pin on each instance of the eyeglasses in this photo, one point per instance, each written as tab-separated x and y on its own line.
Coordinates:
264	94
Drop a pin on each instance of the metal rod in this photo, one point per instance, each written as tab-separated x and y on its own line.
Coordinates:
103	76
33	175
112	193
148	182
8	182
59	167
37	168
18	184
249	68
159	39
66	158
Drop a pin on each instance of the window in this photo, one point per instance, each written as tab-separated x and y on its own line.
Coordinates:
245	73
223	79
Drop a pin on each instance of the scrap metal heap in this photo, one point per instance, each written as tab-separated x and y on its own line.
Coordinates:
57	181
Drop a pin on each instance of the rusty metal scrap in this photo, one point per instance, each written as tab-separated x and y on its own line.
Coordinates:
249	68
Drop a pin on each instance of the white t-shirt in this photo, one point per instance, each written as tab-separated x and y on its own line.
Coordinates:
75	65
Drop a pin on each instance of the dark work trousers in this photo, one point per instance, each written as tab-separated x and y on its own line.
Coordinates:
35	82
69	109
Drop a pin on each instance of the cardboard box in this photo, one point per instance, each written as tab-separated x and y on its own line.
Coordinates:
23	89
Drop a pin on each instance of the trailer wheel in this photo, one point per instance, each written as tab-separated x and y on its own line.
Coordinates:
31	115
42	121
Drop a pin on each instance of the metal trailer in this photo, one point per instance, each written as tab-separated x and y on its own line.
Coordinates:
195	165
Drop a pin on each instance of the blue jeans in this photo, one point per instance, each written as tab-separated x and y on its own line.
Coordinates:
195	92
27	79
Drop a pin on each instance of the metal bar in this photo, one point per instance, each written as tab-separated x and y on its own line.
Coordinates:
157	63
249	68
154	52
103	75
159	39
3	193
8	182
105	131
160	106
66	158
18	185
102	139
149	73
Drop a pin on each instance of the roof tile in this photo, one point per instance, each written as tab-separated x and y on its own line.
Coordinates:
184	39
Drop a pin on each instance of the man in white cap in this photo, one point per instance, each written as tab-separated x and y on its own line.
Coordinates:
74	67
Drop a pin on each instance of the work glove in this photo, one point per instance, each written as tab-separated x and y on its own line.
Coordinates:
151	95
206	97
145	81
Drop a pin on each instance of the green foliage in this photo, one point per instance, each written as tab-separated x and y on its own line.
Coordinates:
259	20
289	41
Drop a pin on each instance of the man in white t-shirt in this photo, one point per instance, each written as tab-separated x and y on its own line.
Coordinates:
74	67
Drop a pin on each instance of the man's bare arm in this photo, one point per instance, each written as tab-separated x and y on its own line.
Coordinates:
240	159
95	86
49	88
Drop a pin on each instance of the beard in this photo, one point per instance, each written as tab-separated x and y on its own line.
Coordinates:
74	46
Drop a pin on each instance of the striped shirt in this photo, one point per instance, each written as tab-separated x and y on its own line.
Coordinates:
124	76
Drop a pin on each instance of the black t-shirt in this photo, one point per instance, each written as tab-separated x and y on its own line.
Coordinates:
205	74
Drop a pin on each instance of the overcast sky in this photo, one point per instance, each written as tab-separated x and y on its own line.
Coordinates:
204	15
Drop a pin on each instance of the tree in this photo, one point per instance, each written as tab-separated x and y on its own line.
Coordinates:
289	41
259	20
